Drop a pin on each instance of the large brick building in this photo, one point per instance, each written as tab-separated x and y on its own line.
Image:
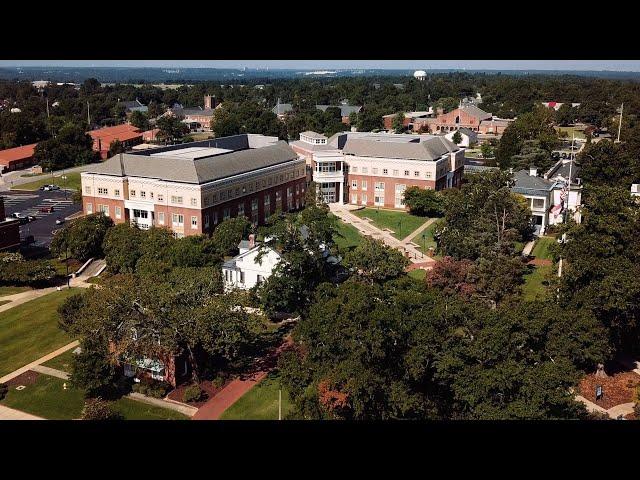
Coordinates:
16	158
191	188
9	230
375	169
128	135
468	116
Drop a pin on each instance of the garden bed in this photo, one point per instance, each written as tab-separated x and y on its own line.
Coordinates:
617	388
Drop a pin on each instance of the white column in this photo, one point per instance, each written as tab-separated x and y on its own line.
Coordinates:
340	198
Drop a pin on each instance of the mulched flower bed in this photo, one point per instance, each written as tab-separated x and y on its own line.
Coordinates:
27	378
205	385
538	262
617	388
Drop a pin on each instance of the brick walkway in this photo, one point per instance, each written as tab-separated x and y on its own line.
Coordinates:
213	409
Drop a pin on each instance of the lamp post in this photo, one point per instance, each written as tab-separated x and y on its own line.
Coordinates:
424	243
66	261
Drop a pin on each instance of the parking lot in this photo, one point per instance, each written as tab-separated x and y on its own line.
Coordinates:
31	203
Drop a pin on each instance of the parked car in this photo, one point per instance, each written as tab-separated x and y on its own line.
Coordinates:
18	215
48	188
32	218
46	209
59	221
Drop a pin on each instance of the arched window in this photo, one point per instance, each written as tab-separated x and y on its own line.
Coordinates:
458	119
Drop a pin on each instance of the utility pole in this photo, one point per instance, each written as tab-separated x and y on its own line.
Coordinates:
280	404
88	116
620	123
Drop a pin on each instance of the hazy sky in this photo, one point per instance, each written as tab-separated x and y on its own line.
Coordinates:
620	65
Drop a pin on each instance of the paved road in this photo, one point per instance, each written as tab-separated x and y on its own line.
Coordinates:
7	180
30	203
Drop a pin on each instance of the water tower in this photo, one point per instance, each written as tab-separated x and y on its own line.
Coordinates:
420	75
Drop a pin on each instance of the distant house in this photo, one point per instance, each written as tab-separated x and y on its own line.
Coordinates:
134	106
244	271
412	120
281	110
196	118
556	105
9	230
635	190
128	135
468	137
551	196
17	158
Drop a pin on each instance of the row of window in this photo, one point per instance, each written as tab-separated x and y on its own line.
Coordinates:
385	171
250	187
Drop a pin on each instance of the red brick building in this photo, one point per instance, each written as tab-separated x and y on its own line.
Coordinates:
128	135
191	188
17	158
9	230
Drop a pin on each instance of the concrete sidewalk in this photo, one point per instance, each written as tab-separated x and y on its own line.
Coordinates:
7	413
46	358
370	230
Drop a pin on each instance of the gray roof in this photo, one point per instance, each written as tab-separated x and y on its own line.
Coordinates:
195	170
527	184
468	132
414	148
476	112
135	105
309	133
282	108
345	110
561	169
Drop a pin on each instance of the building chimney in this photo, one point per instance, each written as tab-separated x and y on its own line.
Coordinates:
252	240
440	111
207	101
533	171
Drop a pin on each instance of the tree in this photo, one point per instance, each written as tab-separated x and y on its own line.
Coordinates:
457	138
565	114
15	270
115	148
228	234
82	238
171	128
452	277
121	247
93	371
398	123
487	150
423	202
139	120
373	261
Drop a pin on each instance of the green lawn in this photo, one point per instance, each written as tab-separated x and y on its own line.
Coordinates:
428	241
570	131
4	291
260	403
533	288
349	236
30	331
541	248
402	223
72	182
134	410
48	399
418	274
61	362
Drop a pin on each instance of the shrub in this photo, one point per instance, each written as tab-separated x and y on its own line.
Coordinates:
152	388
3	390
193	393
98	409
218	381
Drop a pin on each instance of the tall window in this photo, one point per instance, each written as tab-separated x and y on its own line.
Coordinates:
241	209
143	194
116	193
177	200
102	191
177	219
89	208
87	190
226	213
194	222
118	212
354	184
161	218
364	184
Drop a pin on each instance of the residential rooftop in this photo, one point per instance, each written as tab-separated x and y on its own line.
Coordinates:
402	147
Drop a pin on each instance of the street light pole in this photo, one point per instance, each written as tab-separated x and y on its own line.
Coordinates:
66	251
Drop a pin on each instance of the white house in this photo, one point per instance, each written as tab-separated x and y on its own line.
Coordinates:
635	189
244	271
468	137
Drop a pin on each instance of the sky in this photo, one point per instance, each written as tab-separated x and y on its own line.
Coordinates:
617	65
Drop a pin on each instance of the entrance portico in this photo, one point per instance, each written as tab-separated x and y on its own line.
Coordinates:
328	174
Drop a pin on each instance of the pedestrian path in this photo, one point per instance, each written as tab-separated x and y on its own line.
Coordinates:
215	407
178	407
52	372
7	413
44	359
418	230
370	230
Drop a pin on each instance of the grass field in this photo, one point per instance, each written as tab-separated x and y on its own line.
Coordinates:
30	331
402	223
534	288
570	131
429	241
260	403
418	274
541	248
61	362
72	182
4	291
48	399
3	302
349	237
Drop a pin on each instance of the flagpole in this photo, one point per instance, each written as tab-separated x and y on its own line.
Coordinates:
620	123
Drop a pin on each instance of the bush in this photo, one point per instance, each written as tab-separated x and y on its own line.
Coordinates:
193	393
3	390
152	388
98	409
